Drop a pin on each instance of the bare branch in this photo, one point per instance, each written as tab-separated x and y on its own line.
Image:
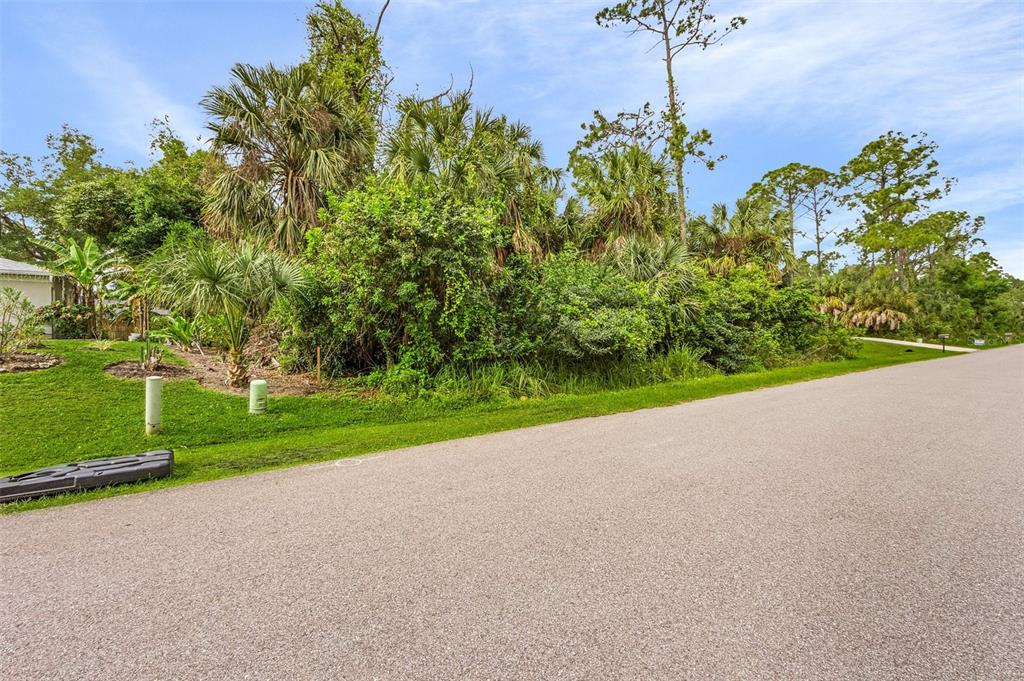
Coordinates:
447	91
380	17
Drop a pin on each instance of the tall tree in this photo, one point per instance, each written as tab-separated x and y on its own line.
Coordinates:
167	197
644	128
99	207
478	156
677	25
287	137
70	193
347	58
802	191
820	191
891	183
627	193
31	189
785	187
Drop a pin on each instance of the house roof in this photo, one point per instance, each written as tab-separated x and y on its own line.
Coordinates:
22	268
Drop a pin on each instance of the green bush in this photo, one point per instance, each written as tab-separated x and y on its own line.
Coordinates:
67	321
748	323
408	292
184	332
20	327
570	309
402	276
533	378
833	342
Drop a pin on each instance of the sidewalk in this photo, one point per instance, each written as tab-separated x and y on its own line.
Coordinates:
912	344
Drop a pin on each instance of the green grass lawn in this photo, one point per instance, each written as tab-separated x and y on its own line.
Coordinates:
76	411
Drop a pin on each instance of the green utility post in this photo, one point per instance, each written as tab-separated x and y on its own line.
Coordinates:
258	397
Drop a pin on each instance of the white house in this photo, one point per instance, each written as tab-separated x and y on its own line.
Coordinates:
39	285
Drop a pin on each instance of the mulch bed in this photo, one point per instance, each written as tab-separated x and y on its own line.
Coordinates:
135	370
26	361
211	372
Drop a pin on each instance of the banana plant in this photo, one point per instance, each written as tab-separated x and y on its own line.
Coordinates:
91	270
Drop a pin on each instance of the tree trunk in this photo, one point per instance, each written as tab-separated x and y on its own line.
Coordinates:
99	317
792	228
673	111
238	372
817	243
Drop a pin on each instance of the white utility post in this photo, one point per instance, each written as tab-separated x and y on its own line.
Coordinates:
153	388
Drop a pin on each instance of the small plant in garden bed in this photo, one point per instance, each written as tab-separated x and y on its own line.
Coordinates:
151	363
150	356
20	329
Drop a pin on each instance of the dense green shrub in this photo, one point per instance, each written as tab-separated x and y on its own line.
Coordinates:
406	285
534	378
571	309
184	332
402	276
832	342
67	321
748	323
966	297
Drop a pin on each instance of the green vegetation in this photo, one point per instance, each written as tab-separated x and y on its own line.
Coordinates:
20	326
75	411
234	287
422	250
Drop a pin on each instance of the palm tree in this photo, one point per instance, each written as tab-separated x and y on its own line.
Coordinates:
238	284
287	138
137	287
448	144
753	236
877	305
663	264
627	192
91	270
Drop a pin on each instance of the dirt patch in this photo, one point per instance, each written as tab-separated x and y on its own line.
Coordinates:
135	370
211	372
26	361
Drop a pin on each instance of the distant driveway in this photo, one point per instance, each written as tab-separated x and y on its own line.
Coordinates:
912	344
869	526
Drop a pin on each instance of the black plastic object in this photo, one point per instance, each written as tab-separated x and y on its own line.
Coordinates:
70	477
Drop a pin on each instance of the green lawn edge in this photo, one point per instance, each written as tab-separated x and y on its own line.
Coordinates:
218	461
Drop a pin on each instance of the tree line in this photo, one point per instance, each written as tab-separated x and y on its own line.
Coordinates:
400	237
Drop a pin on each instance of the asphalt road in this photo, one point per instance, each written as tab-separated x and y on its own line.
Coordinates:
869	526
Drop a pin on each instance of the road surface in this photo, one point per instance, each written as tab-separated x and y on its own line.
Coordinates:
866	526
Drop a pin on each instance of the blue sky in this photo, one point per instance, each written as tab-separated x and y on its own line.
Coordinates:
803	81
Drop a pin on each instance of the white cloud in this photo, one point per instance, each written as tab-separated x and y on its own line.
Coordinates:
129	98
951	68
